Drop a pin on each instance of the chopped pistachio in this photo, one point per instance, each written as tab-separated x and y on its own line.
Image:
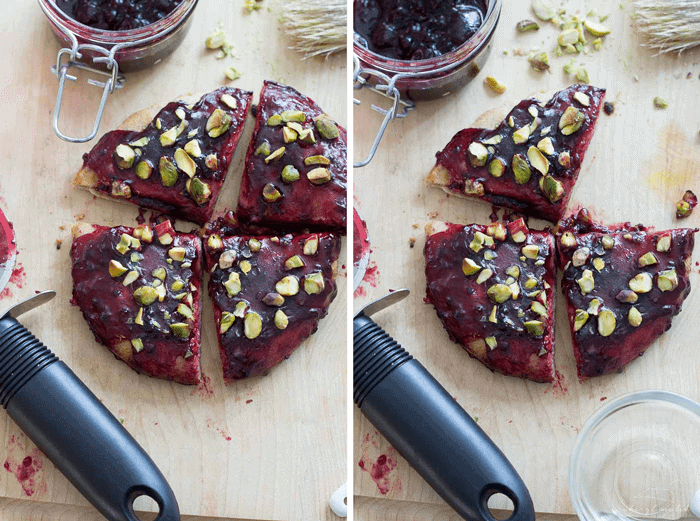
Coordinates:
530	283
582	98
227	320
663	244
537	160
469	267
514	290
270	193
227	258
480	240
538	308
492	315
493	140
580	319
233	284
218	123
473	187
524	26
139	317
177	285
144	170
495	85
552	188
192	148
598	264
319	176
145	295
185	311
571	120
168	137
273	299
185	163
531	251
595	28
313	283
627	296
543	9
641	283
254	245
667	280
116	269
159	273
168	171
311	245
240	310
215	242
124	243
564	159
326	127
263	149
177	253
288	286
124	156
634	317
130	278
544	145
161	292
317	160
199	190
498	293
484	275
660	103
513	271
580	256
608	242
274	120
307	136
180	329
137	343
521	170
606	322
293	115
289	135
477	154
497	167
229	101
521	135
594	306
491	342
215	40
294	262
586	282
534	327
582	76
539	61
211	162
567	240
497	231
647	259
489	255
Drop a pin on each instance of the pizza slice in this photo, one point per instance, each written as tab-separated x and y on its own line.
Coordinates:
296	168
174	160
493	289
623	285
139	291
269	292
531	161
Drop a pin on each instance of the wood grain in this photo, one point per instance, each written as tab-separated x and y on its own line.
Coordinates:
287	430
639	163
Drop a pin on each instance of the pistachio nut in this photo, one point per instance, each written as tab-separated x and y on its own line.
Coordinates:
245	266
167	138
294	262
663	244
227	320
229	101
582	98
599	264
564	159
538	308
606	322
530	283
497	167
544	9
537	160
273	299
227	258
469	267
185	311
274	120
177	285
580	319
479	241
477	154
254	245
594	306
311	245
521	135
240	310
177	253
288	286
124	156
539	61
552	188
199	190
524	26
647	259
492	315
192	148
513	271
498	293
137	344
121	189
211	162
607	242
641	283
567	37
518	230
313	283
534	327
214	242
270	193
567	240
144	233
667	280
489	255
580	256
263	149
116	269
546	146
497	231
571	120
281	319
484	275
180	329
233	284
491	342
521	170
185	163
289	135
145	295
307	136
531	251
141	142
514	290
218	123
317	160
660	103
319	176
168	171
586	282
138	320
683	209
493	140
473	187
495	85
144	170
326	127
124	243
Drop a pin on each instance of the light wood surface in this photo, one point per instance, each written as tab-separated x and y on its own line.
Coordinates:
639	163
286	453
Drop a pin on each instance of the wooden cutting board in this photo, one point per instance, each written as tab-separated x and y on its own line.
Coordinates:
266	448
639	163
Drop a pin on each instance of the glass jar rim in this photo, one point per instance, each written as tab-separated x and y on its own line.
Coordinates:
127	38
445	61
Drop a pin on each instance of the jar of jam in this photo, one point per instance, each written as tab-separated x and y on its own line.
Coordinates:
111	37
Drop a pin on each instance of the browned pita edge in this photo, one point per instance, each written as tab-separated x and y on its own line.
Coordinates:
440	177
87	177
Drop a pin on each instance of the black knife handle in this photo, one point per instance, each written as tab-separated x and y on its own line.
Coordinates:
75	431
430	429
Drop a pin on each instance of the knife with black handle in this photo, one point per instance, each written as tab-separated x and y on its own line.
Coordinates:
72	427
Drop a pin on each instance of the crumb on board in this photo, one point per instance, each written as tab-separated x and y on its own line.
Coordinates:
59	243
608	107
415	226
411	242
62	227
432	215
80	217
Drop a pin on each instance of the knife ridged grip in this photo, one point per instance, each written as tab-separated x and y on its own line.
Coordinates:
22	356
375	355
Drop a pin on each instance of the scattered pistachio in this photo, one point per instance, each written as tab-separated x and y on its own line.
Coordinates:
215	242
686	205
641	283
497	231
229	101
518	230
275	155
513	271
121	189
606	322
497	167
539	61
273	299
116	269
594	306
534	327
634	317
252	325
274	120
245	266
168	171
660	103
288	286
608	242
582	76
289	135
177	253
124	156
130	278
311	245
663	244
199	190
254	245
477	154
319	176
480	240
473	187
185	163
281	319
290	174
233	284
124	243
568	37
524	26
484	275
326	127
137	343
538	308
564	159
215	39
492	315
263	149
647	259
514	290
168	137
270	193
530	283
599	264
521	135
567	239
218	123
317	160
586	282
552	188
313	283
544	145
211	162
227	320
192	148
580	256
232	74
667	280
582	98
145	295
177	285
240	310
627	296
571	120
469	267
495	85
543	9
307	136
595	28
498	293
294	262
537	160
180	329
185	311
144	170
580	319
531	251
491	342
521	170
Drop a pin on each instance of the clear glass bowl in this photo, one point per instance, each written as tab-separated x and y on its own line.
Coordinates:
637	458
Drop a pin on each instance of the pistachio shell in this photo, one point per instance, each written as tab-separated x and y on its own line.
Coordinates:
524	26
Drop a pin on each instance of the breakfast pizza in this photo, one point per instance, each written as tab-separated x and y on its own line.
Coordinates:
623	285
174	160
530	161
269	293
139	291
493	289
296	167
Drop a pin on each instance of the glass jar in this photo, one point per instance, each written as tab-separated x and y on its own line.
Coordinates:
107	53
439	76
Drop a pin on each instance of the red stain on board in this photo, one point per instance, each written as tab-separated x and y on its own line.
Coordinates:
204	389
211	424
381	468
559	386
17	280
26	467
249	401
371	278
603	398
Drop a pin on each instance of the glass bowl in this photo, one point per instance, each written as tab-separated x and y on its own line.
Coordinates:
637	458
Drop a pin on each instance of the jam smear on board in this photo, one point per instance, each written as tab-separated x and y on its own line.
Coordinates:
417	29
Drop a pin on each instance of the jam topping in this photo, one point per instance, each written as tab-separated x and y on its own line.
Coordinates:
492	287
269	294
417	29
139	290
296	166
117	15
178	164
623	285
531	161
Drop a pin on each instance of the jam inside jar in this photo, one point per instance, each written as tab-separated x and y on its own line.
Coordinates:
437	46
117	15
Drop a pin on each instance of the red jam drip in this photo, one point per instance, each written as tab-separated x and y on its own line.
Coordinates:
464	307
527	198
243	357
117	15
303	204
150	193
110	309
418	29
597	355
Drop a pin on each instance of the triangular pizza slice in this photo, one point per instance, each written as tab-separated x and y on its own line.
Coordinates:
139	291
530	161
623	285
269	293
174	160
493	289
296	167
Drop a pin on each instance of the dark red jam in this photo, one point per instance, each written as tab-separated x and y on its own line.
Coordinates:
117	15
416	29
